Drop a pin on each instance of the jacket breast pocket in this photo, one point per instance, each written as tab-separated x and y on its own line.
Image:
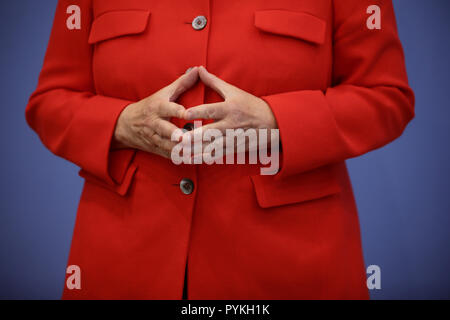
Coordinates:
312	185
298	25
116	24
119	63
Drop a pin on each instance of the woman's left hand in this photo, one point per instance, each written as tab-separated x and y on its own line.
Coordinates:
239	110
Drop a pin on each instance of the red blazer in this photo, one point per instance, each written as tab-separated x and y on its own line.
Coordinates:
337	89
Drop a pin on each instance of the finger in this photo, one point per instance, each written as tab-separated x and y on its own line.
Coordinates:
142	143
164	128
155	150
162	143
215	150
150	148
241	142
207	146
214	82
171	109
214	111
189	136
182	84
229	147
154	140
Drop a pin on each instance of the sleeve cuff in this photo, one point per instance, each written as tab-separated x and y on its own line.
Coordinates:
99	118
308	130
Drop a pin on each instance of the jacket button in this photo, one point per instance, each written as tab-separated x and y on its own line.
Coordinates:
199	23
187	186
188	127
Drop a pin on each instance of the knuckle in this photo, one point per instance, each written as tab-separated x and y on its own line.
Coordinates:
155	138
141	132
156	127
210	112
157	105
181	110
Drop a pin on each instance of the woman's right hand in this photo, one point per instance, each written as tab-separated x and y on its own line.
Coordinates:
145	125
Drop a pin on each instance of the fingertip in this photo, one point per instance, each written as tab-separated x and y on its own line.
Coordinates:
192	77
182	112
190	70
204	75
194	70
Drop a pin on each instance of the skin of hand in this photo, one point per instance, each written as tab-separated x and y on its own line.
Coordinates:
239	110
146	126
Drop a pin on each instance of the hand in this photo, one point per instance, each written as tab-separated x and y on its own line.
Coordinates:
239	110
145	125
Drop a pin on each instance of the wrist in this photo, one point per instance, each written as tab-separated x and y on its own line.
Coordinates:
270	122
119	140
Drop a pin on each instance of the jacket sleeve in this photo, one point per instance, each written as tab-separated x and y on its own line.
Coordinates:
73	121
368	104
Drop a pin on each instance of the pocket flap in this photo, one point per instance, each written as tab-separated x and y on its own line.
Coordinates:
312	185
118	23
120	189
299	25
121	168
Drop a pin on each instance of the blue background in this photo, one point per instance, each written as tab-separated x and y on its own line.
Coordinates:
402	190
